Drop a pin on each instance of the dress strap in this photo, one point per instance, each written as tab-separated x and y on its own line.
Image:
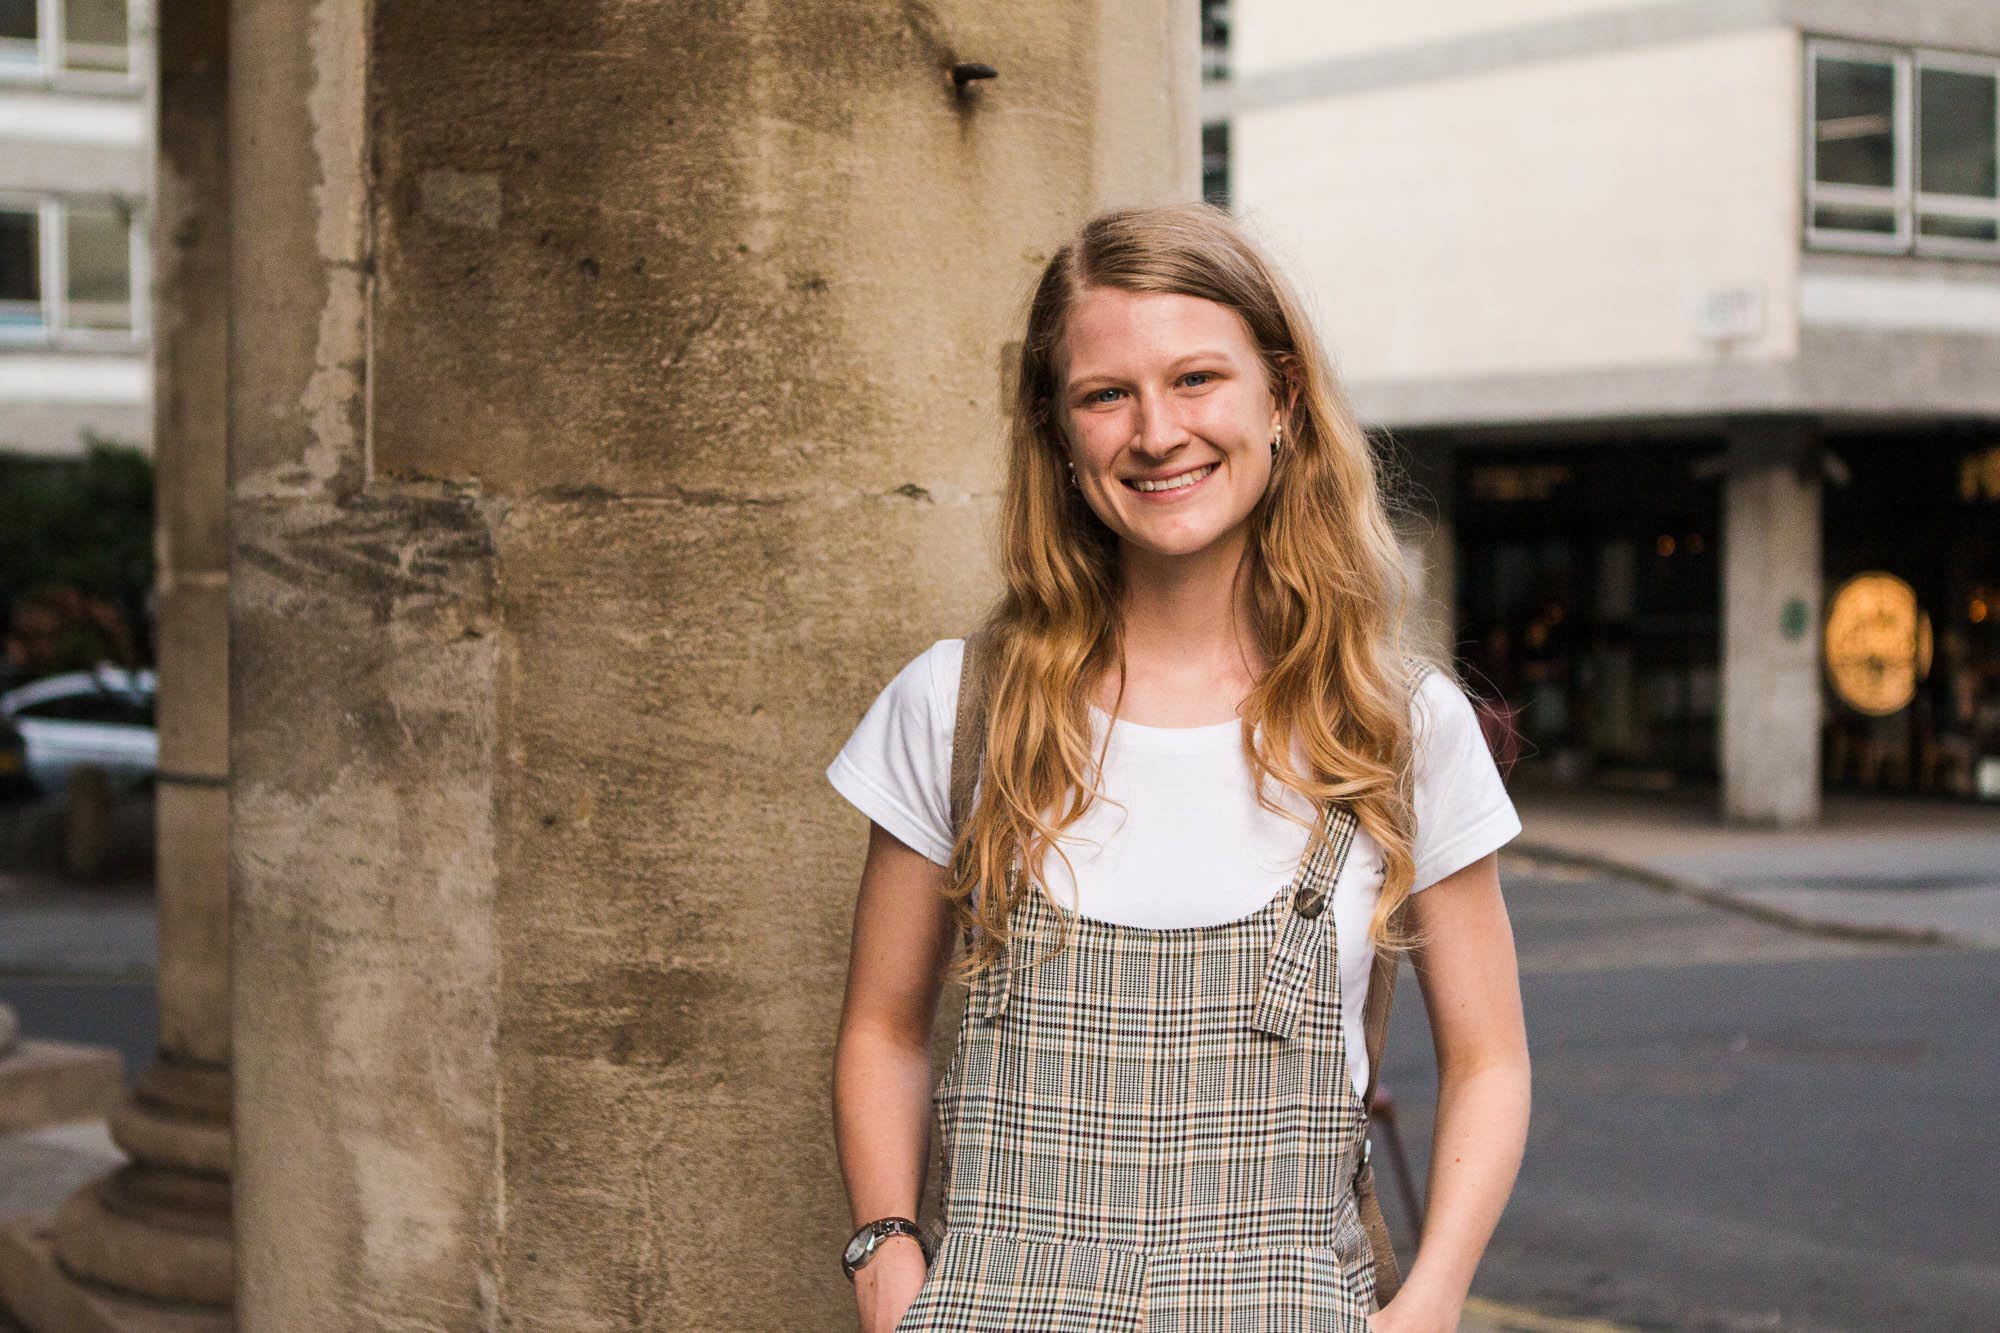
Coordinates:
1288	973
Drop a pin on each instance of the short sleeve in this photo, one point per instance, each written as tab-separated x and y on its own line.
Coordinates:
1462	807
896	766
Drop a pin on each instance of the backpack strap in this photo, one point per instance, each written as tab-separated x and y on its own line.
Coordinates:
968	733
1375	1030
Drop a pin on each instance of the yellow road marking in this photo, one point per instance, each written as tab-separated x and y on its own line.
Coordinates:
1514	1319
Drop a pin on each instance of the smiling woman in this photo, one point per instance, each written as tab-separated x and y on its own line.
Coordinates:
1196	694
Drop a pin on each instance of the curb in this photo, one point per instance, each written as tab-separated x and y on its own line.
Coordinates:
1714	896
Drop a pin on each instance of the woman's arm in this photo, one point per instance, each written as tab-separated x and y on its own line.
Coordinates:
1472	988
882	1061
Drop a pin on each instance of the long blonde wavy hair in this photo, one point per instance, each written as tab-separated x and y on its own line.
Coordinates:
1327	590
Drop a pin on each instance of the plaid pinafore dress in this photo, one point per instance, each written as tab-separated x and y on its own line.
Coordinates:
1154	1128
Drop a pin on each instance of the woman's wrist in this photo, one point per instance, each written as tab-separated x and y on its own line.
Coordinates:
1423	1305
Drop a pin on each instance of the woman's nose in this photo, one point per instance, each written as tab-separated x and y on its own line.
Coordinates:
1160	427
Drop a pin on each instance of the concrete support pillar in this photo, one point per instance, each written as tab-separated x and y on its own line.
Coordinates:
1428	544
149	1245
1770	742
614	406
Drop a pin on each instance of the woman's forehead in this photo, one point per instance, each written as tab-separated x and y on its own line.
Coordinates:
1111	331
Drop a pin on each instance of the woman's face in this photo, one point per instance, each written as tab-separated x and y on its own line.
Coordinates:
1157	388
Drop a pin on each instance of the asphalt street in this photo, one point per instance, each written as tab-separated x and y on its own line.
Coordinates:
1736	1126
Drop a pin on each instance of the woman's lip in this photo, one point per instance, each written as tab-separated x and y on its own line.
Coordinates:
1176	491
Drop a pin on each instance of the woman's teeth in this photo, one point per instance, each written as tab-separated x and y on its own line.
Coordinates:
1174	483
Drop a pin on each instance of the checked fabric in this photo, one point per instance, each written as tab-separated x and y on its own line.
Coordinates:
1154	1129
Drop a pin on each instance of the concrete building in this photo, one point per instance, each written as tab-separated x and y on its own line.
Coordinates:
75	175
1687	315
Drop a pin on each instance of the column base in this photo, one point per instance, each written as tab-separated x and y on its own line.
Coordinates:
43	1298
55	1082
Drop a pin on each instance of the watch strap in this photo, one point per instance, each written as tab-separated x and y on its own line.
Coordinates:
882	1228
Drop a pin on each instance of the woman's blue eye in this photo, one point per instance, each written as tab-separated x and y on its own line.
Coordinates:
1093	397
1199	375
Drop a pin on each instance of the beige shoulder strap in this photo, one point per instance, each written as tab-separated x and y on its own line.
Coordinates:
968	735
1374	1029
1382	977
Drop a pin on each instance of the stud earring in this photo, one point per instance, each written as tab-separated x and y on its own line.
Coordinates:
1072	475
1278	439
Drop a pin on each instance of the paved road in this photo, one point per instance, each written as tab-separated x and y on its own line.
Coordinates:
1737	1126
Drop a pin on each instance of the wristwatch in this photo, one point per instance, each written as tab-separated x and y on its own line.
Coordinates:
869	1238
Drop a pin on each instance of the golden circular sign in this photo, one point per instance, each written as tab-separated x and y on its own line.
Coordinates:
1878	643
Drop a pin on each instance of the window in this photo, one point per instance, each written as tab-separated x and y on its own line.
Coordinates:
1215	134
96	35
122	710
20	268
1214	40
1215	163
68	269
47	39
98	246
1903	150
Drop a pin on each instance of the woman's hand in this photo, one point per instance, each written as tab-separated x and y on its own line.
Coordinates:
1412	1311
887	1283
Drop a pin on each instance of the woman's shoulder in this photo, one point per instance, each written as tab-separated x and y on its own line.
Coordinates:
925	688
1439	705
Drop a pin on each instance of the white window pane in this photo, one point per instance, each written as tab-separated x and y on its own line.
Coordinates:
18	20
97	35
1957	122
1960	229
1854	122
1877	221
100	269
20	268
18	29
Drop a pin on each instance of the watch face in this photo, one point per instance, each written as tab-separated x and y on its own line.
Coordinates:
858	1247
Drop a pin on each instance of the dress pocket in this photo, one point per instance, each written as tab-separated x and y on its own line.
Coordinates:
984	1282
1274	1289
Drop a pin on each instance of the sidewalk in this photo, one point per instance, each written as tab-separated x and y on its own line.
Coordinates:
1872	868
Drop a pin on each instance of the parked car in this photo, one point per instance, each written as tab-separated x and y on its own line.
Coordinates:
15	784
102	717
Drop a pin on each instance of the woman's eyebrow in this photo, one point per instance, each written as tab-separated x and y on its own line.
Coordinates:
1206	354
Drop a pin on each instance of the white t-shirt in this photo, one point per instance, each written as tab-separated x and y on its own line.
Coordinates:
1191	847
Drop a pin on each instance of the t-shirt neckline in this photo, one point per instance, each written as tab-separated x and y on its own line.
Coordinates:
1177	740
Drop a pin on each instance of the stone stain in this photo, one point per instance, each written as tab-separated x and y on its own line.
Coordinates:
635	1014
392	553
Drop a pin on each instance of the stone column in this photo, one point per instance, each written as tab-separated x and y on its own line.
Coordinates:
614	407
149	1245
1771	594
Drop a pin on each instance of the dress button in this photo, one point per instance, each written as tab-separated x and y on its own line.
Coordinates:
1309	904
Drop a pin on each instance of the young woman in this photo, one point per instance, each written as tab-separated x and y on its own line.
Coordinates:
1196	727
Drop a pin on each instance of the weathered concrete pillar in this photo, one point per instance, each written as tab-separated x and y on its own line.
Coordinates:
148	1247
1771	561
614	406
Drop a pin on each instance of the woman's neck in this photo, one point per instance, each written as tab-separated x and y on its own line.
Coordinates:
1190	657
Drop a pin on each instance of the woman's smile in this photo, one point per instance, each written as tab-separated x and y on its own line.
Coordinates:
1172	487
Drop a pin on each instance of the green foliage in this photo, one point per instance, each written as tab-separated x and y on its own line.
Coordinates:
78	526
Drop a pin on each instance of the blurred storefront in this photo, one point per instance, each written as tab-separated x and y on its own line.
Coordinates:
1588	595
1692	320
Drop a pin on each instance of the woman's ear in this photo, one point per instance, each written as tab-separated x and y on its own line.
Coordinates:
1286	389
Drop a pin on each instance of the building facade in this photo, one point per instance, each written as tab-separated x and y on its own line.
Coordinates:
1687	320
75	174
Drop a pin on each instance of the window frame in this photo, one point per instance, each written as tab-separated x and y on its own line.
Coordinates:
44	67
52	221
1907	204
1963	207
